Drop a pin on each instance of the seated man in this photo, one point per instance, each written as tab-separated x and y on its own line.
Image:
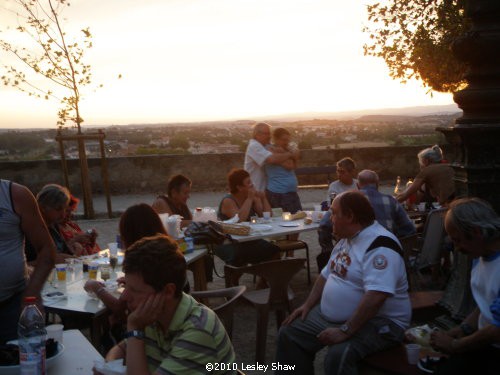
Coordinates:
359	304
474	228
168	332
346	169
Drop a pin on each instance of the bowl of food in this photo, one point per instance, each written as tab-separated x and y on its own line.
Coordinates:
9	356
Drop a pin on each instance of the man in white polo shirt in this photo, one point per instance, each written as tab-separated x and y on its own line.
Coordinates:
359	303
257	155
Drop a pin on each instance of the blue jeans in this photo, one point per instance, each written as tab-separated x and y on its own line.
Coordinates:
298	344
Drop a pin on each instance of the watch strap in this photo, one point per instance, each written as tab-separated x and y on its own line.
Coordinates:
134	333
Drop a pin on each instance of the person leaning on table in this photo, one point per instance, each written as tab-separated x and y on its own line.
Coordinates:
474	346
20	219
359	304
168	331
175	202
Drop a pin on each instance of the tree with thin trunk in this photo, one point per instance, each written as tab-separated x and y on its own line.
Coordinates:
42	48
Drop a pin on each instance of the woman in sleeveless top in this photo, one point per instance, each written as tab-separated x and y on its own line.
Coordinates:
175	202
245	201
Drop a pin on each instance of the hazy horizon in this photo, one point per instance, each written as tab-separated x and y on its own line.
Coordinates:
219	60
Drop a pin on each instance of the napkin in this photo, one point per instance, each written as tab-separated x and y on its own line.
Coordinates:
110	368
235	219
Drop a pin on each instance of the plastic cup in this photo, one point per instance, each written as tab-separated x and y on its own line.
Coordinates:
413	353
421	206
105	272
277	211
317	207
55	331
266	215
61	272
93	267
190	244
113	248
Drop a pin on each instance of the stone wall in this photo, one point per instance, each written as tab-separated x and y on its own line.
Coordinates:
149	174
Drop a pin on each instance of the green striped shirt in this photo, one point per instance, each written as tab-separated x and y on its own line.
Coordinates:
195	337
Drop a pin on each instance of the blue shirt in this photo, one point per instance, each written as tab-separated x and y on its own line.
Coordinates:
388	212
280	180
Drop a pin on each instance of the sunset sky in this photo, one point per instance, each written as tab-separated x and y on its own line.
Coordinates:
190	60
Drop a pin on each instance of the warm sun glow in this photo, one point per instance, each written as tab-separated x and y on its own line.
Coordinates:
220	59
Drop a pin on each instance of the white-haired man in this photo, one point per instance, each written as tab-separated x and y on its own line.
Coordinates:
474	345
257	155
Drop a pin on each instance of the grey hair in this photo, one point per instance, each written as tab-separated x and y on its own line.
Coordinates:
368	177
53	196
258	127
468	215
434	154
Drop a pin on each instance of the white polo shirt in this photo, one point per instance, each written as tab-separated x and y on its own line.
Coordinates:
255	158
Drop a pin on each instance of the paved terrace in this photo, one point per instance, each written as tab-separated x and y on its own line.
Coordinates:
245	317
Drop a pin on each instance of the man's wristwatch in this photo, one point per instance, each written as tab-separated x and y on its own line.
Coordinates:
345	328
135	333
466	329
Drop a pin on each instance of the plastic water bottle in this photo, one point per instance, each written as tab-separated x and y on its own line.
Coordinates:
31	334
397	188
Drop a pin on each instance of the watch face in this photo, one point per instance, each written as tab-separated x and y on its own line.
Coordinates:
344	328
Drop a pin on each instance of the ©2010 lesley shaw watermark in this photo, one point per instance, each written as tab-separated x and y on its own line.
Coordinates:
221	366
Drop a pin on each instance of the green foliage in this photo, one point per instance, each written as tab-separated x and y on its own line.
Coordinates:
414	37
20	142
179	142
51	55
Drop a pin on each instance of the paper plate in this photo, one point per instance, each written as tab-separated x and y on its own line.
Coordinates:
289	224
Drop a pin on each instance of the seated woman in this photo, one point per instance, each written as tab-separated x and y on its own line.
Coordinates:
137	221
53	201
245	201
435	174
80	242
175	202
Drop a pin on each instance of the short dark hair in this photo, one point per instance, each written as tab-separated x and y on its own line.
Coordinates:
279	132
158	260
358	205
347	163
53	196
176	182
139	221
235	178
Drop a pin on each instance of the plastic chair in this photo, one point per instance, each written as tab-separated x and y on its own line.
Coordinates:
224	310
287	245
278	274
432	239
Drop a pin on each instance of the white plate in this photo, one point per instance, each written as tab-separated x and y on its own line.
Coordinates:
14	370
261	227
423	361
289	224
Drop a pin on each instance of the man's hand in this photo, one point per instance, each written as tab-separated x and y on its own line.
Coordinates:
302	311
442	341
146	313
332	336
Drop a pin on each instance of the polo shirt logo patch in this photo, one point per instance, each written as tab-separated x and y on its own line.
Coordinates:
380	262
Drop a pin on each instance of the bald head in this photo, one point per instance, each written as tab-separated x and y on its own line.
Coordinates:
367	177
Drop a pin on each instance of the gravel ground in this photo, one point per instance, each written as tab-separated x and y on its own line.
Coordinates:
245	316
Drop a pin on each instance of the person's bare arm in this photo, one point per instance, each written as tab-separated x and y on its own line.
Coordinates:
368	307
229	208
413	188
35	230
161	207
311	301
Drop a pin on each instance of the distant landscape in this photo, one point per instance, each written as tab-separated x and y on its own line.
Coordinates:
358	129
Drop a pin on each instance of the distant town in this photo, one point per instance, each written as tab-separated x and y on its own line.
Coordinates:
228	136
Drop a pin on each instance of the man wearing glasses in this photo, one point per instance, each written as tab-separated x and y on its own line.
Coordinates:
257	155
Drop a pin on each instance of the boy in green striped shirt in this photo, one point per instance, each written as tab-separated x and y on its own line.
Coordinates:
168	332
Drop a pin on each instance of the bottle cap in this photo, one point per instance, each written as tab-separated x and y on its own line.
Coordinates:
30	299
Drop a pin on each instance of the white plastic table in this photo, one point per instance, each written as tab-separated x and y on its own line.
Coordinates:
279	228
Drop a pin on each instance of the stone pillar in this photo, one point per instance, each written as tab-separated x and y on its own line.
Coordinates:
476	135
